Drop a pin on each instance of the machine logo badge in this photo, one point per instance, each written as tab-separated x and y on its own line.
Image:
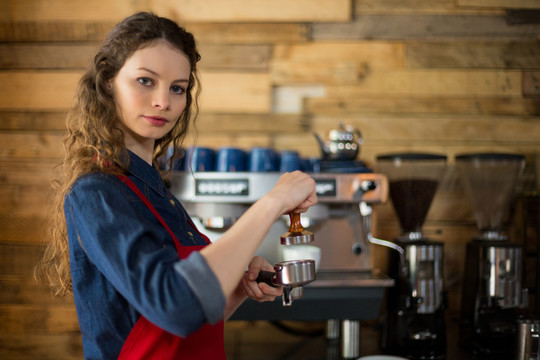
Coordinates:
325	187
226	187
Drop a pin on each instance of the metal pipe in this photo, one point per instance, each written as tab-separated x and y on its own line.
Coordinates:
350	341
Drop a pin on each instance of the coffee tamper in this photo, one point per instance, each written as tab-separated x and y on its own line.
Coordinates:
296	234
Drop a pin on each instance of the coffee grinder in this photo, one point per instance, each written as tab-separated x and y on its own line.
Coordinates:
414	325
492	293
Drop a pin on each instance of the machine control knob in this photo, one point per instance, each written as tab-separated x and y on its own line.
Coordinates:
357	249
368	185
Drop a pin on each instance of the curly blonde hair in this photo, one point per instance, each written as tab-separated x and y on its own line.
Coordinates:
94	141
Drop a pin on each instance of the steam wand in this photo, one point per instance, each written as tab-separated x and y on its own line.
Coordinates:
365	214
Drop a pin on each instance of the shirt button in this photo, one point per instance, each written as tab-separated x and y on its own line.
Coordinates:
172	202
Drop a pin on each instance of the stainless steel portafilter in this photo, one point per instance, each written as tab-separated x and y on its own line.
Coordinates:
293	275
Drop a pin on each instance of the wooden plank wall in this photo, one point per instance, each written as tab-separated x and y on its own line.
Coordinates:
414	75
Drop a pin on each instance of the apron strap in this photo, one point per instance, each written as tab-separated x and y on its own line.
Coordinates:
135	189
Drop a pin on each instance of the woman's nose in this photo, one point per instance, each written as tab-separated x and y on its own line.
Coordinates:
161	100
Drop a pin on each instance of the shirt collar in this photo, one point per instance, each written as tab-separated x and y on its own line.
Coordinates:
147	173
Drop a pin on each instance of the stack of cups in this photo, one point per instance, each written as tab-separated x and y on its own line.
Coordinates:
231	159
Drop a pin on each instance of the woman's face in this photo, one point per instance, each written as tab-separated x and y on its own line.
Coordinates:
150	93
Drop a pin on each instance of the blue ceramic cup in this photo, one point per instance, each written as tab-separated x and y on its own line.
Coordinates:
231	159
263	160
200	158
290	161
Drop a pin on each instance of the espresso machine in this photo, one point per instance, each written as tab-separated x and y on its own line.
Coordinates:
414	324
492	295
345	288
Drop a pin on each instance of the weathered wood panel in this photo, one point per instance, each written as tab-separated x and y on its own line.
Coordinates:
26	290
433	83
38	319
29	120
46	56
256	10
341	72
32	31
213	33
18	260
362	7
61	10
245	141
23	230
490	54
400	27
249	33
67	346
251	92
24	171
339	62
31	145
518	4
531	84
78	56
424	104
185	10
23	201
258	124
32	89
439	128
235	58
378	54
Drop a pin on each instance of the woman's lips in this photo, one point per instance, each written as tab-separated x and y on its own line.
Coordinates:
156	120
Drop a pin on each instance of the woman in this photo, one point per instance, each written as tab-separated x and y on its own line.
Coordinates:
144	282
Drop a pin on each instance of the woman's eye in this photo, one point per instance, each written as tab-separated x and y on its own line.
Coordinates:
145	81
177	89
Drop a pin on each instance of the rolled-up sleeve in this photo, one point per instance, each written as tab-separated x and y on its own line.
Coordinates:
136	255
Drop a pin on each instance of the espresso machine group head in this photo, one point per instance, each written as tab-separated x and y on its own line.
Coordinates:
415	320
492	294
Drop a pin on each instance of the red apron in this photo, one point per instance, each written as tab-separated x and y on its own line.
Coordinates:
147	341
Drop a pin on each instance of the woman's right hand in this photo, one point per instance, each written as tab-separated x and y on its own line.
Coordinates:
295	191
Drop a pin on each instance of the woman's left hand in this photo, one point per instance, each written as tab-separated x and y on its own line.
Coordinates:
259	291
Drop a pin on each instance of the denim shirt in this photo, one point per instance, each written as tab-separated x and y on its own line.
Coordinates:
124	263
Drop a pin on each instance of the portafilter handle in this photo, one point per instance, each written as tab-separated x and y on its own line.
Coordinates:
289	292
267	277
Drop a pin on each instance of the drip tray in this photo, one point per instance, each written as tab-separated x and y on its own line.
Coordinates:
351	279
346	295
